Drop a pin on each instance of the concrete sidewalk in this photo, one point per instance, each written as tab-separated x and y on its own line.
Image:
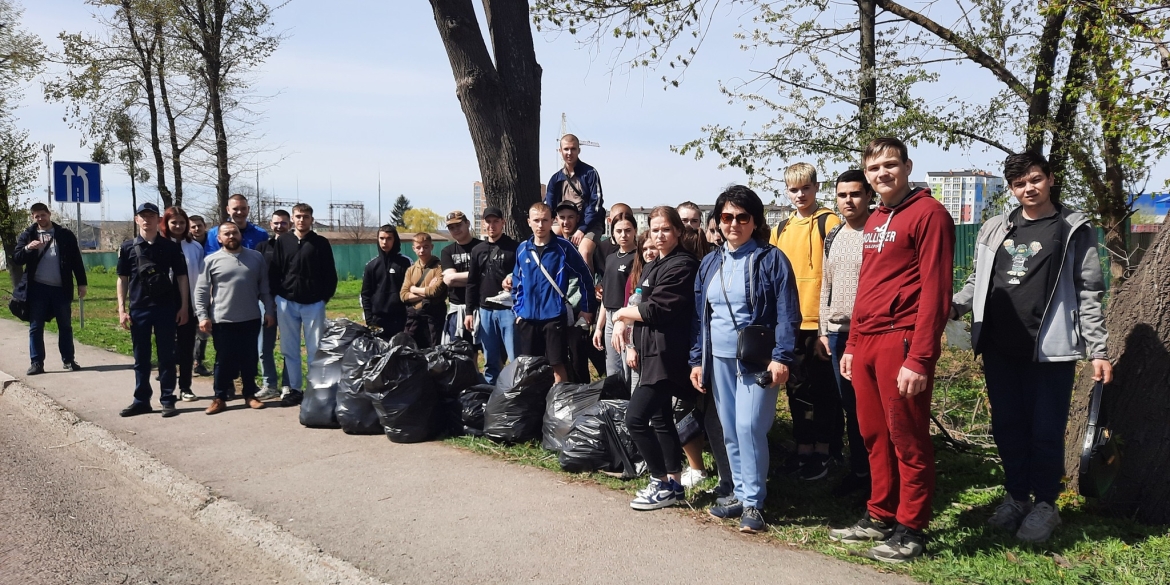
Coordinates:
425	513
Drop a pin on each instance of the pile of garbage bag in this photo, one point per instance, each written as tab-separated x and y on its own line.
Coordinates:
318	409
600	441
515	410
566	401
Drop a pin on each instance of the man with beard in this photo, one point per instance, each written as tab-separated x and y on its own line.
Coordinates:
233	285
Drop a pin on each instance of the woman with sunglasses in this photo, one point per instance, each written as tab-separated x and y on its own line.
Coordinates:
662	325
747	283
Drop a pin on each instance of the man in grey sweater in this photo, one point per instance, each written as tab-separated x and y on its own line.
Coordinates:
234	278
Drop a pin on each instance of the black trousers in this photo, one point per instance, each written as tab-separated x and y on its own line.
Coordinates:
185	350
650	418
425	325
813	397
236	356
714	430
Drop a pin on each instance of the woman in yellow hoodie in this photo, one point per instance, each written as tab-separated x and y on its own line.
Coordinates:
818	422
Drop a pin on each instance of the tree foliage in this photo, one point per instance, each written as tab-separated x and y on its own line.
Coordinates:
398	213
420	219
21	54
18	170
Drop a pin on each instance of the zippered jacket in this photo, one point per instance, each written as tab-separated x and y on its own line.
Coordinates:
590	194
771	286
533	296
68	253
1073	325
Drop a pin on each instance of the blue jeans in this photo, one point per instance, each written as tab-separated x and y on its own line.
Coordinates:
293	319
268	358
49	302
746	411
161	322
1029	412
496	333
858	456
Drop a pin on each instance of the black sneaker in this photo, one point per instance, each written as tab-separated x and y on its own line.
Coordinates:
852	483
865	530
169	410
905	545
36	368
732	509
793	464
201	370
293	398
752	521
815	467
136	409
71	366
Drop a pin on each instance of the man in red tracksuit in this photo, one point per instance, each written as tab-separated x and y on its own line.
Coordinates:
907	256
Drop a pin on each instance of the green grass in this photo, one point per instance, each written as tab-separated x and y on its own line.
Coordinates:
1089	548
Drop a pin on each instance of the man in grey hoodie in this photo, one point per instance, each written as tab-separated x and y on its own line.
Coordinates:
234	278
1035	295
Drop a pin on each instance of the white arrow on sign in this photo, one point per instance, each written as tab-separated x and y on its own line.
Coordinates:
85	184
69	182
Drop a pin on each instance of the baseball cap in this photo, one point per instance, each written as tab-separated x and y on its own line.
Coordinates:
456	217
493	212
147	207
566	205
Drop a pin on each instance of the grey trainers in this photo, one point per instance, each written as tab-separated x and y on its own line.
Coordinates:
904	545
268	394
865	530
1010	514
1039	524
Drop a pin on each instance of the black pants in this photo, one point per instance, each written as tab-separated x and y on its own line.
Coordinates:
200	347
185	350
236	356
425	326
813	397
579	342
650	418
392	323
714	430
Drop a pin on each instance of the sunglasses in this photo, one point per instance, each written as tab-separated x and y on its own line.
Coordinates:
740	218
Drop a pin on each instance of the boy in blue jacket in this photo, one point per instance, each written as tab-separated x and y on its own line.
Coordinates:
579	184
542	311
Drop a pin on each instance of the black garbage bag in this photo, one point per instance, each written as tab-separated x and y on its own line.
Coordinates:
515	410
472	403
400	387
600	441
355	409
319	406
564	403
453	369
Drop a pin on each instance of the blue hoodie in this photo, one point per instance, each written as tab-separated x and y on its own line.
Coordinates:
533	296
590	194
771	285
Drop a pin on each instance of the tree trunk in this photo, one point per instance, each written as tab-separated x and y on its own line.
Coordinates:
867	10
501	101
213	57
1138	400
1046	54
145	49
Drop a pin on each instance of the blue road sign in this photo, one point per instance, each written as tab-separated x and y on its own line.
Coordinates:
77	182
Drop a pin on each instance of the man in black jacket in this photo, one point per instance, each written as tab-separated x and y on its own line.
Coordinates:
303	278
381	297
488	301
51	259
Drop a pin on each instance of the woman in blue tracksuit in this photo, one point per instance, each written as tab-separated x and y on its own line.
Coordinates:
746	282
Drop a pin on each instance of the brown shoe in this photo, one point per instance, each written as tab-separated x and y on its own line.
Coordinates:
217	406
254	403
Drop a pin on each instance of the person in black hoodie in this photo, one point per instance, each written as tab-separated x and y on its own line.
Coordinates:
488	301
51	259
381	283
303	278
662	327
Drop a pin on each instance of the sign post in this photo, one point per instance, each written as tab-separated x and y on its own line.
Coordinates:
79	182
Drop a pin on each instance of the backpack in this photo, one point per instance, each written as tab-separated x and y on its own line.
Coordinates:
822	221
156	284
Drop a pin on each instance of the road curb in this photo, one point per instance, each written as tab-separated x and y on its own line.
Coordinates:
194	499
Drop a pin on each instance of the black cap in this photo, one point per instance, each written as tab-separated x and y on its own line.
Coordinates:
147	207
567	205
493	211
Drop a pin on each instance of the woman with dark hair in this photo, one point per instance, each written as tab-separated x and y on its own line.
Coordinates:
381	298
662	323
177	227
614	278
695	242
714	236
745	288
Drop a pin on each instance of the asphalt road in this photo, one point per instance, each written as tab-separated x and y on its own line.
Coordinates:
68	517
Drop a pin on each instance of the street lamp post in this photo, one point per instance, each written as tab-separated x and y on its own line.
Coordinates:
48	149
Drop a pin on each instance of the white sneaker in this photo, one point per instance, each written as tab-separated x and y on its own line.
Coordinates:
268	394
504	298
284	390
1010	514
1038	526
692	477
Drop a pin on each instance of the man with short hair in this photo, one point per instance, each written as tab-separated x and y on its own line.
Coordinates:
303	278
580	184
250	234
545	264
278	225
157	303
838	291
198	227
425	294
382	280
456	262
894	343
52	259
691	215
228	296
488	301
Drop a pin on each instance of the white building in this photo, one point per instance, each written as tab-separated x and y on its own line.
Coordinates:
964	192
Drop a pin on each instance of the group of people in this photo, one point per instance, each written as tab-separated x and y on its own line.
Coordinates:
706	322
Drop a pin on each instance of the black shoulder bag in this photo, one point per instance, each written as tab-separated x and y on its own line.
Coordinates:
755	342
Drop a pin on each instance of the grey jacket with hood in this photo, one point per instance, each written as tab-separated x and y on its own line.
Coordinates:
1073	326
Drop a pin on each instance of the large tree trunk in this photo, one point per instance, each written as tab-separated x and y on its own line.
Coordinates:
1138	400
145	49
867	10
501	101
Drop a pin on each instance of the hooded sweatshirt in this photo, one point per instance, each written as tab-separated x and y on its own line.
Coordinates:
802	242
906	277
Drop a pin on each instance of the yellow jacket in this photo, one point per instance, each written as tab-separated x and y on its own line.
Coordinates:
804	245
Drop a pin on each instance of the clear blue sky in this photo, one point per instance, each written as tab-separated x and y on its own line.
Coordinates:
365	87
